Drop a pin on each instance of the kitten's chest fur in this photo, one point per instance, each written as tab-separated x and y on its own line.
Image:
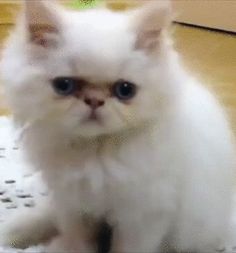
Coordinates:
107	176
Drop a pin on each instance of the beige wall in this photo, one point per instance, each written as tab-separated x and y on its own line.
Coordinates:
220	14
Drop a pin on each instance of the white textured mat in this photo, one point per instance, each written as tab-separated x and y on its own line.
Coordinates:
22	188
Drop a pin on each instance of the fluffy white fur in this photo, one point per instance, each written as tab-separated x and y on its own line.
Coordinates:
159	169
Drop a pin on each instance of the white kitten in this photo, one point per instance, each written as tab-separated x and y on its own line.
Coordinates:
119	130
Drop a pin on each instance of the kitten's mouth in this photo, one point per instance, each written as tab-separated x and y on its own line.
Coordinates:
93	117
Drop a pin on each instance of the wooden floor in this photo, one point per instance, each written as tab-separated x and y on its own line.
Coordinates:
211	56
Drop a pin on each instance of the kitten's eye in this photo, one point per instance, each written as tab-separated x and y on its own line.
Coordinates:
64	85
124	90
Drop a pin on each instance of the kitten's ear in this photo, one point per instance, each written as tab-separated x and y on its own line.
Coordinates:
150	22
42	22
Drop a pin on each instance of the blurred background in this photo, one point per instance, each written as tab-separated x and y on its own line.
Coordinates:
204	32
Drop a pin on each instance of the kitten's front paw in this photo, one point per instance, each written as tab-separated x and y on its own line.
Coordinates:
21	237
12	236
27	229
63	245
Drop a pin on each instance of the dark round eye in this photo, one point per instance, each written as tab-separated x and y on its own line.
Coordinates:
124	90
64	85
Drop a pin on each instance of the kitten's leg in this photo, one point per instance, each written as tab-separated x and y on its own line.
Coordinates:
65	244
77	235
28	227
135	237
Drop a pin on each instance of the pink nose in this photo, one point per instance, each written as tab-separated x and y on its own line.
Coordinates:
93	102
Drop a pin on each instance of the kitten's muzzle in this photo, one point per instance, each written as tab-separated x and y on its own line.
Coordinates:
93	102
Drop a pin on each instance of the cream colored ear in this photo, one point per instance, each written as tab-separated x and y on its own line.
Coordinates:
149	22
42	22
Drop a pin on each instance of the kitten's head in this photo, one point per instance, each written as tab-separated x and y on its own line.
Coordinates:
89	72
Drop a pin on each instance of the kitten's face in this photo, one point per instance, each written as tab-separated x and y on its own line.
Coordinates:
87	73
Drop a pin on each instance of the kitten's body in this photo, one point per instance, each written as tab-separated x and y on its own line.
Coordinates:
160	172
